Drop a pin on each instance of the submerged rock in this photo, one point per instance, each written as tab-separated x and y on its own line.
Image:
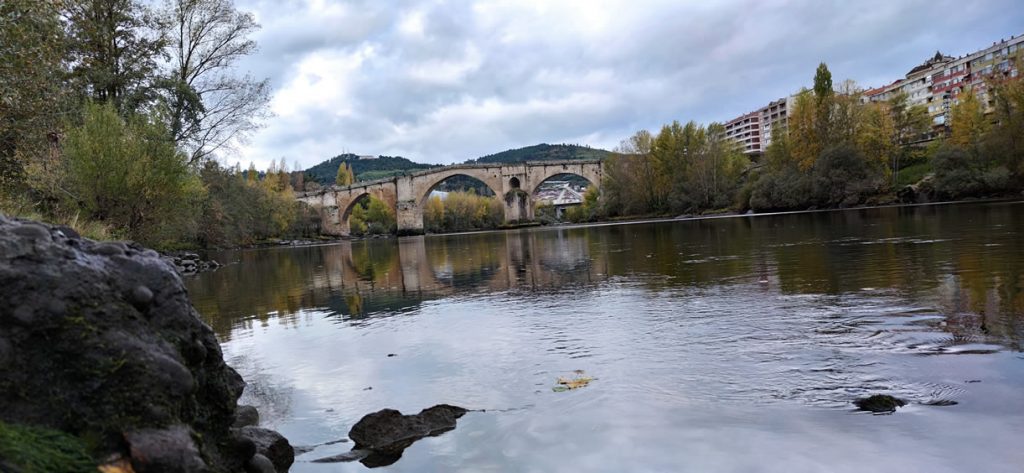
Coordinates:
100	341
879	403
381	437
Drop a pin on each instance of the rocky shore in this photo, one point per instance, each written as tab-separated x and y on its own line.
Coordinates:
104	361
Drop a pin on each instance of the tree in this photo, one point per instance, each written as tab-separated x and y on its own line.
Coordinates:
299	179
876	136
433	214
842	176
909	122
627	186
210	106
716	163
823	101
31	94
968	123
345	176
129	175
1007	136
845	117
115	46
804	139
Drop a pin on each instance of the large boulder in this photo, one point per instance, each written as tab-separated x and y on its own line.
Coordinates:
99	340
381	437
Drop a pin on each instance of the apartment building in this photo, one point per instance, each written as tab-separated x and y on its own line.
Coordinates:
774	116
754	130
746	130
937	82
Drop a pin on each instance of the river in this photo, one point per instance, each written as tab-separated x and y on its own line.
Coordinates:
731	344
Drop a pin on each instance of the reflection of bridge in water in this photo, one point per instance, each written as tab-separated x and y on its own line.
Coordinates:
515	184
411	266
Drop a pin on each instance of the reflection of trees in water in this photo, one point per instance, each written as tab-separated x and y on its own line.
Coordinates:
376	261
253	286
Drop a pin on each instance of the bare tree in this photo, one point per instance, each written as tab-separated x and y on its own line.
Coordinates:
211	107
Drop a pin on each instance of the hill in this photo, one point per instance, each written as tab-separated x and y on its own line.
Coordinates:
543	152
364	169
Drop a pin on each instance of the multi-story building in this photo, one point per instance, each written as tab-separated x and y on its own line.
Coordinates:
746	130
774	116
937	82
754	130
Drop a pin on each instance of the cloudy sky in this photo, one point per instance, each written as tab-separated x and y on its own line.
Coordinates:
446	81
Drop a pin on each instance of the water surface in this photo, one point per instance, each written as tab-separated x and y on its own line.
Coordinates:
731	344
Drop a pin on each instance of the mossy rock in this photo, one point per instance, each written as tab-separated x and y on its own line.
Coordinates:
36	450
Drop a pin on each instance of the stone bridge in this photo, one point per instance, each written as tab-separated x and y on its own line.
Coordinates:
513	183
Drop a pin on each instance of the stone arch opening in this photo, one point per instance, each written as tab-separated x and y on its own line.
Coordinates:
461	202
514	182
372	216
556	194
347	212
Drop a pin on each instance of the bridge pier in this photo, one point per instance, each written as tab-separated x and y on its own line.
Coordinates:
409	218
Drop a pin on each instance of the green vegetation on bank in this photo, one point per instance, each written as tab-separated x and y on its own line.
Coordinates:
112	112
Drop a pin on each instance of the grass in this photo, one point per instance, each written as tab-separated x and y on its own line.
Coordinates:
913	174
21	208
37	450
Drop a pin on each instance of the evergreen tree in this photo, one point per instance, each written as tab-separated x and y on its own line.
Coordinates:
823	99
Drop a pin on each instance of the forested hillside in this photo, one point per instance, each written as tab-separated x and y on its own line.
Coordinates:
543	152
365	169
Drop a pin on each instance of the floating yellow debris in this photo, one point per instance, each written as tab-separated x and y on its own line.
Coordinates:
579	381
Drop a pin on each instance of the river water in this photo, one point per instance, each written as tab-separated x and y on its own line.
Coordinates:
731	344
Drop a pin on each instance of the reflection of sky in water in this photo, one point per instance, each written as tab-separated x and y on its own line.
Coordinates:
718	346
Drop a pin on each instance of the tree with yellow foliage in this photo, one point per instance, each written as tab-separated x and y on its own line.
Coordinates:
345	176
875	135
968	123
804	143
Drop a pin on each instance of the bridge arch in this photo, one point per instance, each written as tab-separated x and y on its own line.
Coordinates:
539	174
344	214
490	177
